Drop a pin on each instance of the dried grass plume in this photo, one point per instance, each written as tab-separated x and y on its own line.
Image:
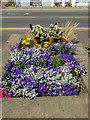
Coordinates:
70	30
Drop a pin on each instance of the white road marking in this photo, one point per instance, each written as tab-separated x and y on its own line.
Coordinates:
65	17
8	13
27	13
82	17
20	17
78	28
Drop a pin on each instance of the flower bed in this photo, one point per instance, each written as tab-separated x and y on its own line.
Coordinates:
42	65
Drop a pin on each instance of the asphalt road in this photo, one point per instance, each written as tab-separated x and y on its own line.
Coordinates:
21	18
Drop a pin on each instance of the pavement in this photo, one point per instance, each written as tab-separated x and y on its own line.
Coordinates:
40	7
45	107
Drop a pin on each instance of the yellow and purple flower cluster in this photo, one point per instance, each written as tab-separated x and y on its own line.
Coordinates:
43	38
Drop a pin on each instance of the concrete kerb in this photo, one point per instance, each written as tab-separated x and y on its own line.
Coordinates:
46	107
47	8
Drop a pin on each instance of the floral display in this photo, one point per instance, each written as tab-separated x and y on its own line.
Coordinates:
42	65
4	94
57	33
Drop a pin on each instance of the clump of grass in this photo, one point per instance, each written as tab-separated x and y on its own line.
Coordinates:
26	33
88	49
70	30
10	4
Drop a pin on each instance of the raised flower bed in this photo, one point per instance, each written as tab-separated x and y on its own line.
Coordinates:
42	65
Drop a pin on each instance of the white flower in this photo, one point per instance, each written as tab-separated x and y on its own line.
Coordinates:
56	26
51	25
71	44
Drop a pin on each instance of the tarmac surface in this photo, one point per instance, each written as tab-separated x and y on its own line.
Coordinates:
45	107
22	16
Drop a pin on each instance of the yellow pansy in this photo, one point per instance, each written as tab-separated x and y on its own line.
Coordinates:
46	37
26	43
37	45
41	43
64	38
32	39
46	42
22	47
28	39
45	45
23	41
58	40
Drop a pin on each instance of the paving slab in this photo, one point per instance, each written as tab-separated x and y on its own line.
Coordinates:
12	40
83	58
46	107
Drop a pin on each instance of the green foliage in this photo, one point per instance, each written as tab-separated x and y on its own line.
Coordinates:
10	4
40	62
57	61
21	65
52	51
31	44
4	72
88	49
62	49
